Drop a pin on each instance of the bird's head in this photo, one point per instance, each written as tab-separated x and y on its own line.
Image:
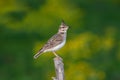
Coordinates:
63	27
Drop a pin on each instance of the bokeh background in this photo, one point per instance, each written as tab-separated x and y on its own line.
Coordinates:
92	51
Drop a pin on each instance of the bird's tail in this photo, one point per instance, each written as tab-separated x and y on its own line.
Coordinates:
38	54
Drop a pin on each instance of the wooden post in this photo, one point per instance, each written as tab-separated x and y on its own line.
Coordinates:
59	68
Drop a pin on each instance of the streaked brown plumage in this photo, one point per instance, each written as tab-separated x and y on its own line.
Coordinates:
55	42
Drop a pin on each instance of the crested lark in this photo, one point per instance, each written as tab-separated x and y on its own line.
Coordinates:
55	42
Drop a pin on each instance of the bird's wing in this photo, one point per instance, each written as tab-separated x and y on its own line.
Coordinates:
53	41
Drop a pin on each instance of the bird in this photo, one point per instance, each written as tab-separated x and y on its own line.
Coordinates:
56	42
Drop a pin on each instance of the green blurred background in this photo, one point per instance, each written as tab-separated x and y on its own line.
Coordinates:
92	51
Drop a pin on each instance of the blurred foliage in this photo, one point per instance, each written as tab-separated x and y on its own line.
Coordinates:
92	51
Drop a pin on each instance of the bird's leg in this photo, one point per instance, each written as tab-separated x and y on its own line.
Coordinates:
57	55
